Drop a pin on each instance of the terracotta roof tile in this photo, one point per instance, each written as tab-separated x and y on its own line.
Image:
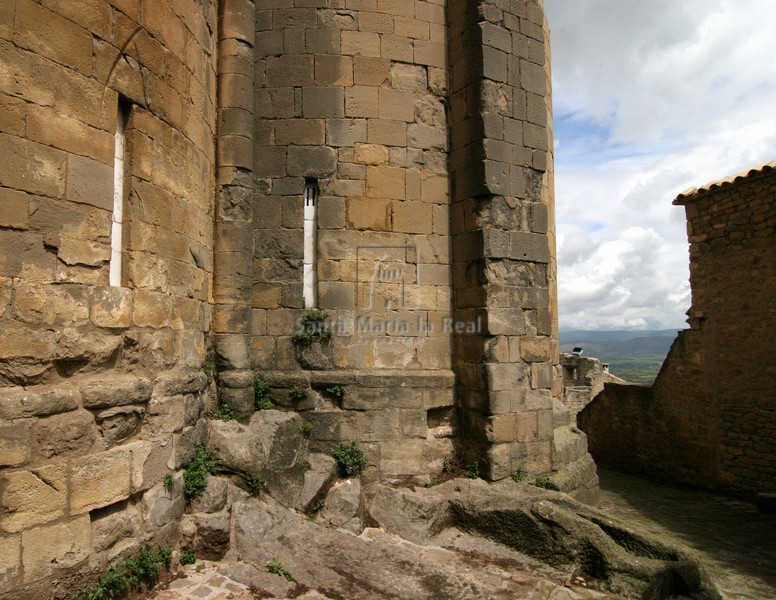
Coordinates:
688	195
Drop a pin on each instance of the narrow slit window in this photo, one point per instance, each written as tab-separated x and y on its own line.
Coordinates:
117	220
310	285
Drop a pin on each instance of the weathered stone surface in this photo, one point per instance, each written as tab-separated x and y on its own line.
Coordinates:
111	307
173	383
118	391
14	443
412	516
553	528
240	400
118	424
213	499
342	507
99	480
286	450
239	447
112	525
10	562
318	478
186	442
211	541
150	462
164	504
166	414
361	569
16	403
30	498
67	434
53	547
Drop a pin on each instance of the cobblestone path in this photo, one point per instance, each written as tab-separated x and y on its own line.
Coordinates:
736	543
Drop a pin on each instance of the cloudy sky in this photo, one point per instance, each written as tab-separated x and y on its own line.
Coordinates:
650	98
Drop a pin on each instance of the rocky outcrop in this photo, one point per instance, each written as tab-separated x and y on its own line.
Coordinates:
270	447
548	526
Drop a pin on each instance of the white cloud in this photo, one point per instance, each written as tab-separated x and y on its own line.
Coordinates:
650	98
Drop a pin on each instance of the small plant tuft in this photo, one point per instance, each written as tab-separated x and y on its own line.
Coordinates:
168	483
472	471
545	482
135	574
318	505
262	389
254	483
277	568
224	413
351	459
338	391
298	393
307	429
209	365
431	483
195	473
519	475
313	329
188	556
448	466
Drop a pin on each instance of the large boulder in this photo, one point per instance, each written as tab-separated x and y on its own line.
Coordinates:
270	447
287	453
342	507
318	479
237	447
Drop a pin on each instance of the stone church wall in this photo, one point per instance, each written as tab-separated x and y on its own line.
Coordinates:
101	387
710	418
351	98
192	131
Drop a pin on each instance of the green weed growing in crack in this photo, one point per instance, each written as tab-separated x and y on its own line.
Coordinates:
313	329
276	568
262	399
546	482
188	556
351	459
138	574
196	471
298	393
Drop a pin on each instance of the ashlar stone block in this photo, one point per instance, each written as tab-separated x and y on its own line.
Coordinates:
30	498
15	443
99	480
52	547
67	434
16	403
119	390
10	562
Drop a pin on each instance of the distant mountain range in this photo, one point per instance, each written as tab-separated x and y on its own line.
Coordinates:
633	355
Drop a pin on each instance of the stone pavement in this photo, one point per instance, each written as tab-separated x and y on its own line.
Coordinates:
735	543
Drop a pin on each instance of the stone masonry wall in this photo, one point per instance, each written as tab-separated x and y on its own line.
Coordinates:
352	96
101	388
712	410
502	228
